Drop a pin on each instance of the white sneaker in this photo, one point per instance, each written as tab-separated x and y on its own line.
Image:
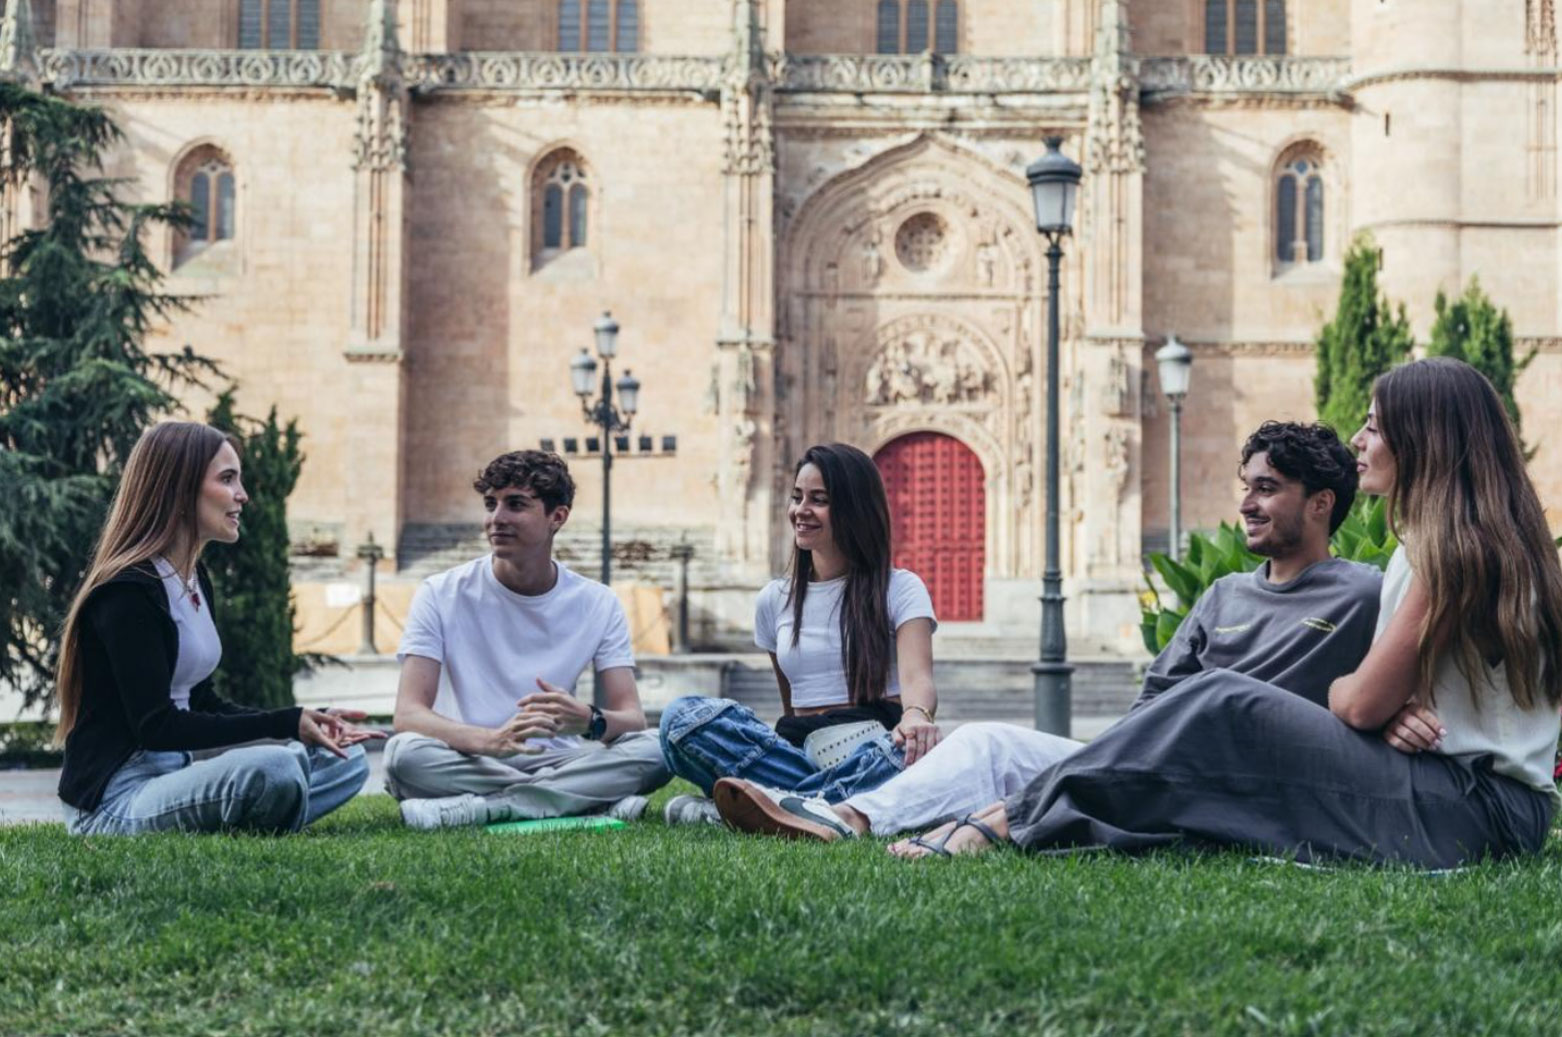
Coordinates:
691	810
630	808
444	812
765	811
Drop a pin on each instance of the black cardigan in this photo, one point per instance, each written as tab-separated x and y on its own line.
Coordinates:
127	647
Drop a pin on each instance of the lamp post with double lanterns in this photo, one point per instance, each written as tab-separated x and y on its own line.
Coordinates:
1175	361
602	413
1054	183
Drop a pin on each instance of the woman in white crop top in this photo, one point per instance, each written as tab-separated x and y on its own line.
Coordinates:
850	640
1437	751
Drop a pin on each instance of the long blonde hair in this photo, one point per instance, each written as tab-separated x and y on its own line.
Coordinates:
153	512
1473	527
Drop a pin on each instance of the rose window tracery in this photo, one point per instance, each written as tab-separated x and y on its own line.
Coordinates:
922	242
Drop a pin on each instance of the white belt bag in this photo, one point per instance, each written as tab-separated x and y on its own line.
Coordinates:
831	745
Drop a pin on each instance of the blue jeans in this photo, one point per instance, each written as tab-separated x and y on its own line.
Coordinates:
705	739
268	788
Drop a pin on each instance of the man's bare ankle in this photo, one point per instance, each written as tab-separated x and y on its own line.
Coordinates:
854	820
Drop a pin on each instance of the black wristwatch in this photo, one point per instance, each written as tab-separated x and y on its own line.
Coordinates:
596	727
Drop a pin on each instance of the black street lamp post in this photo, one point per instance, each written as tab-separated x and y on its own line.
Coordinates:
611	420
601	413
1054	181
1175	361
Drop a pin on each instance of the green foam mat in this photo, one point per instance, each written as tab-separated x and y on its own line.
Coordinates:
553	824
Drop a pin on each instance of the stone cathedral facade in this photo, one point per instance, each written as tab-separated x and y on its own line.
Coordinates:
811	220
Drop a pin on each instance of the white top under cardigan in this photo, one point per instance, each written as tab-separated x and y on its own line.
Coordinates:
814	667
1521	742
200	650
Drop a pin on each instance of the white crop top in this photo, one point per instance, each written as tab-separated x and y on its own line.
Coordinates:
1522	743
814	667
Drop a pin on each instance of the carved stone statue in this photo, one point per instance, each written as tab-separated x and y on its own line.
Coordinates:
986	263
872	260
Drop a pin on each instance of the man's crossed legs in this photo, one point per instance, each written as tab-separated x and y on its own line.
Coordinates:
440	787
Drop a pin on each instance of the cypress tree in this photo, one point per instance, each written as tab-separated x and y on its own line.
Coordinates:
1366	337
255	613
77	298
1473	329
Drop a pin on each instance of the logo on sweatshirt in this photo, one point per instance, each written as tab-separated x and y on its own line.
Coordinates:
1234	630
1319	624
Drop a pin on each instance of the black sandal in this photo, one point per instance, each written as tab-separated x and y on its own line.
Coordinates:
941	847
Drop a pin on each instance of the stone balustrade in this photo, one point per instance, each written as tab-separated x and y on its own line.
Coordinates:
1159	77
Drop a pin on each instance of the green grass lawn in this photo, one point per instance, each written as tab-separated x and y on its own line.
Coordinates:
361	927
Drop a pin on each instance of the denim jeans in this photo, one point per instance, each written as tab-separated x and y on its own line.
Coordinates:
269	788
705	739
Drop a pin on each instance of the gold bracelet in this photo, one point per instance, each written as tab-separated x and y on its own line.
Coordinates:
921	710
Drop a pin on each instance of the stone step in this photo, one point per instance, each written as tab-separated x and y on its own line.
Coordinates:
971	689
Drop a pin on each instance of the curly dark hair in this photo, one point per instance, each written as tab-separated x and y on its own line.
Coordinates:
1312	455
539	471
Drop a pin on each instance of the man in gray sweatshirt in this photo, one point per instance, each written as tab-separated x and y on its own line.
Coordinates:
1299	621
1302	618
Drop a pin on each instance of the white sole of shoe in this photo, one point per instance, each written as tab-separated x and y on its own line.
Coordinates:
747	809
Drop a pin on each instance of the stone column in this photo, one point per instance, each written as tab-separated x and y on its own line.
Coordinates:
1104	448
743	373
431	26
90	25
376	377
21	201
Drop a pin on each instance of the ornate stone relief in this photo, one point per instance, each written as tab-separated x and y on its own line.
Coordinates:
1540	18
1212	74
68	69
922	362
927	73
553	71
18	48
1115	139
746	102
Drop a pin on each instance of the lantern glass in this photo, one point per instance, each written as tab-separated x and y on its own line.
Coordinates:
1175	361
1054	183
628	393
607	336
583	373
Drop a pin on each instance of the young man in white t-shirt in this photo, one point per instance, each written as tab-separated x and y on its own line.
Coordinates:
488	727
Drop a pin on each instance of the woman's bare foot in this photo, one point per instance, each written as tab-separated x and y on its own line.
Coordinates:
957	837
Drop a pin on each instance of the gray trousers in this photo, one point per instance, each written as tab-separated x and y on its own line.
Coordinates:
583	780
1226	760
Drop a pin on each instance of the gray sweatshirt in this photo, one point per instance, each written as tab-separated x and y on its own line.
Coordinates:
1299	636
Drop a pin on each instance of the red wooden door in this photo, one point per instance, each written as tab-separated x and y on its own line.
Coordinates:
938	509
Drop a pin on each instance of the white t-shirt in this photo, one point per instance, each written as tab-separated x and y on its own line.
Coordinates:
200	650
814	667
492	643
1522	742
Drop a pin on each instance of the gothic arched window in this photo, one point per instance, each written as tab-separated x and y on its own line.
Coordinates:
915	26
1244	27
598	26
279	24
947	36
889	27
562	206
204	181
1299	208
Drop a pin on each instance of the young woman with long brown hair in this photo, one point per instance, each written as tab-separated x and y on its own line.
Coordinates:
138	651
1437	751
851	642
